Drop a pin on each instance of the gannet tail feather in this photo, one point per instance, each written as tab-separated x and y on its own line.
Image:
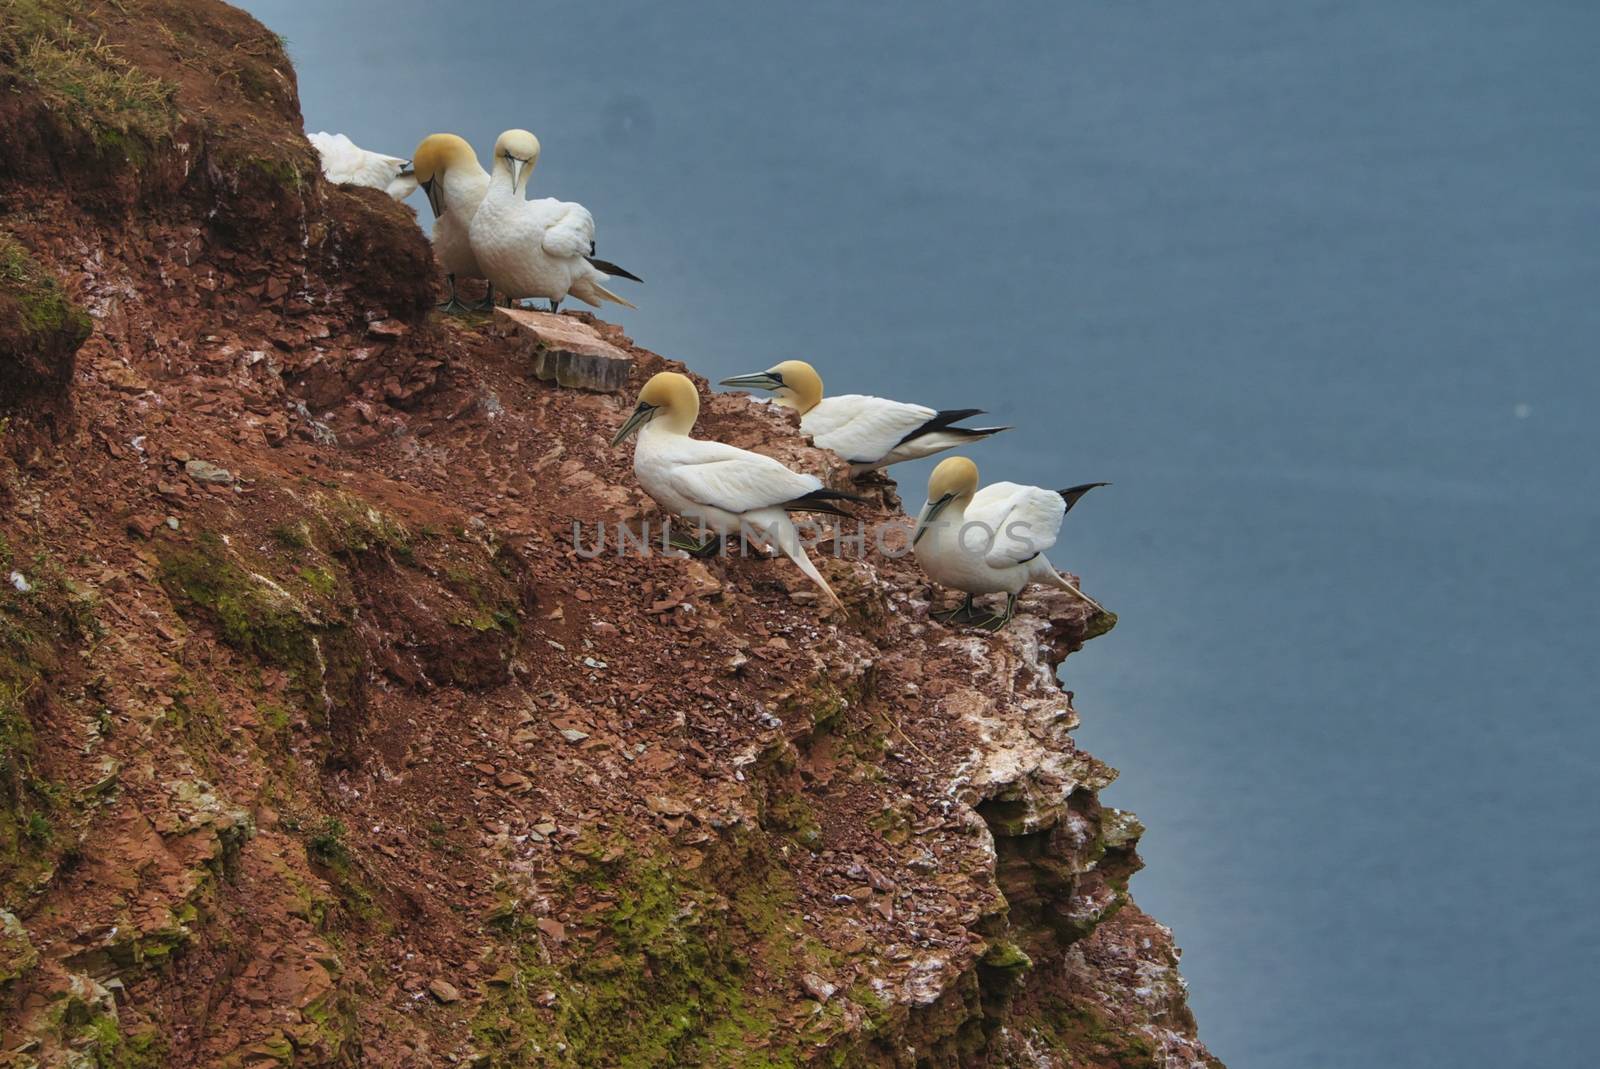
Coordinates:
934	441
613	269
940	421
1050	577
788	539
1072	493
608	295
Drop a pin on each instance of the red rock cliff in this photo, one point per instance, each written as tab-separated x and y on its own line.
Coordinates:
320	743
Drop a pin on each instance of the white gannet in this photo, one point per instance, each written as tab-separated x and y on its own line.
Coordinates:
992	540
449	173
536	248
727	490
869	432
347	164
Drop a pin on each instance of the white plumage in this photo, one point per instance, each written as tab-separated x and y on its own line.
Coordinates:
724	489
1026	521
992	540
537	248
347	164
869	432
452	232
715	484
872	432
449	172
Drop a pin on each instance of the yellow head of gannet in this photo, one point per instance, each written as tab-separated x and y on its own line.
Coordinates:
669	401
795	382
520	150
435	155
955	479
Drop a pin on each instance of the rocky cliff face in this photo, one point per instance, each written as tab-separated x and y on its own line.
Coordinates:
322	741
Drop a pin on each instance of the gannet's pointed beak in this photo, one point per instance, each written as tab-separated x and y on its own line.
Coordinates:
760	380
516	169
929	512
641	416
435	197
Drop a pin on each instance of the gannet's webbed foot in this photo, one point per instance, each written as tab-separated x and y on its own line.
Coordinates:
960	614
1000	619
453	305
709	548
487	304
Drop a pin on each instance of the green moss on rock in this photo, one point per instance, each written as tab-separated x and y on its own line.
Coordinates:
1007	955
37	816
258	617
1099	624
40	332
663	979
17	954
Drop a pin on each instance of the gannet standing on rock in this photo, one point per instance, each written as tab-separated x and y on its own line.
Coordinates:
449	173
535	248
730	491
992	540
345	163
869	432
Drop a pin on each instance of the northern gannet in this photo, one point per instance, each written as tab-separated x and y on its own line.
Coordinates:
869	432
449	173
991	540
347	164
536	248
724	489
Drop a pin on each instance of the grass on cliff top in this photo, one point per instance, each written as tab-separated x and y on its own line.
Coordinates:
76	71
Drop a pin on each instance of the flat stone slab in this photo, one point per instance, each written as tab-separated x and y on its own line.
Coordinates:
564	350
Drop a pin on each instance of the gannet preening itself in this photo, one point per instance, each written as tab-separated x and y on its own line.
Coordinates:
992	540
449	173
726	490
347	164
536	248
869	432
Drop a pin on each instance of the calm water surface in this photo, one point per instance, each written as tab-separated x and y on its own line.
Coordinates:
1314	284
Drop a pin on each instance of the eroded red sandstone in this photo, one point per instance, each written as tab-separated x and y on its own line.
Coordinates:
323	744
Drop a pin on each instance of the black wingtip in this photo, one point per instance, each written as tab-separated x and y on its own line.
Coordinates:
1072	493
942	421
823	501
612	269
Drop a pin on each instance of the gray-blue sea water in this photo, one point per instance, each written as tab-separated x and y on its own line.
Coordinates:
1316	285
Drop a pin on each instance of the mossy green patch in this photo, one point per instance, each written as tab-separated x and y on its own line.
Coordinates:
666	978
1006	955
1087	1036
1100	623
108	1047
326	843
17	954
353	527
42	306
36	814
822	706
258	617
320	580
294	536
